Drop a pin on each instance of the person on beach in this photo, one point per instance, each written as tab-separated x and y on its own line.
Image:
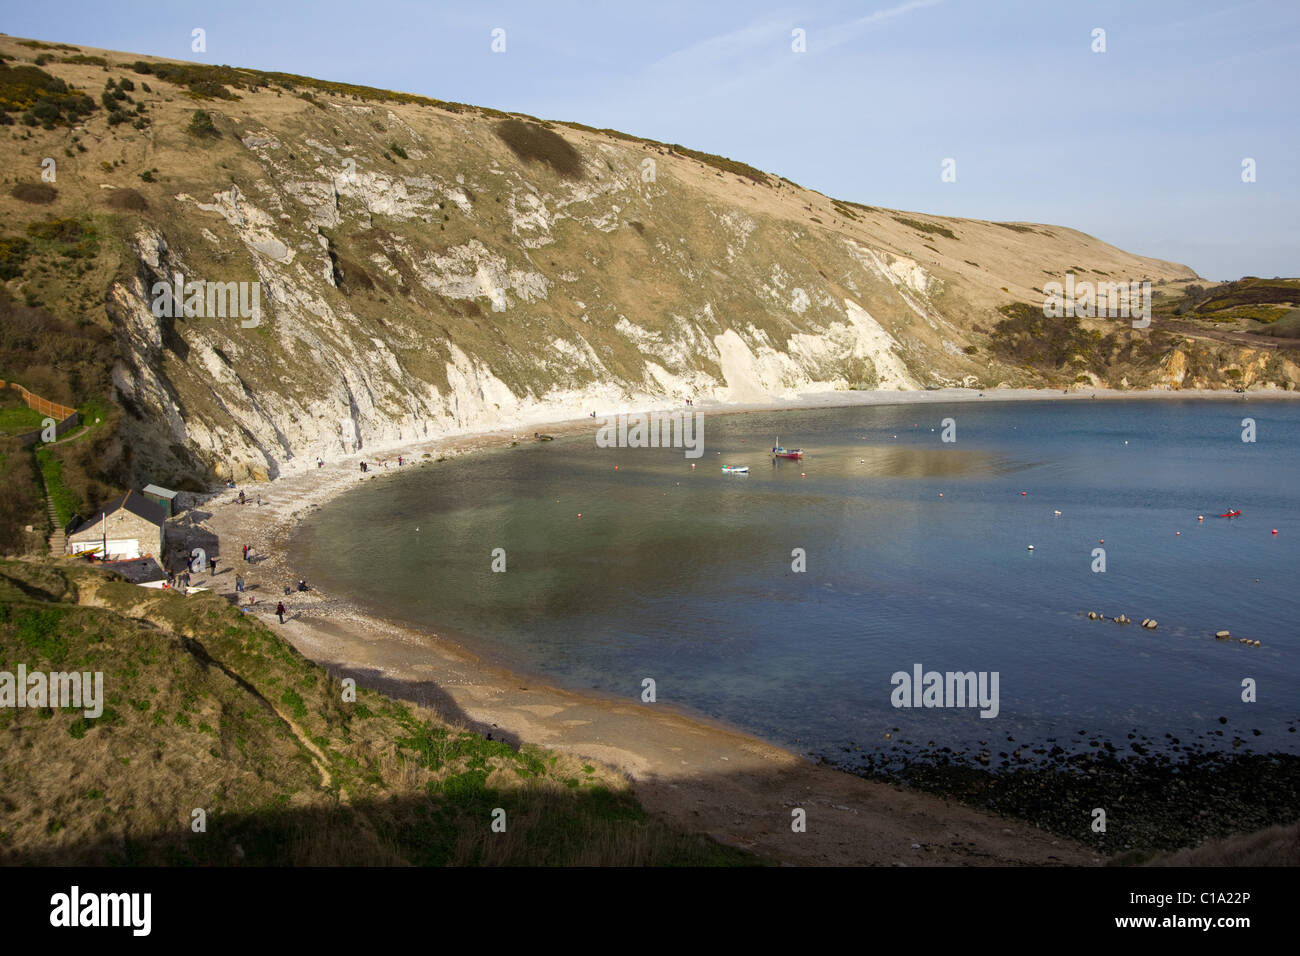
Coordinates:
319	463
245	552
212	564
259	501
239	583
279	609
399	461
242	500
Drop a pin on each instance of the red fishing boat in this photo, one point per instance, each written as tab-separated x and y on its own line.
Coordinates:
1231	514
779	452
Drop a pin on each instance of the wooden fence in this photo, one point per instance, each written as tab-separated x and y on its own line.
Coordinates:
45	407
65	417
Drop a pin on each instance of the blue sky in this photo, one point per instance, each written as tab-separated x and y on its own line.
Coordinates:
1141	145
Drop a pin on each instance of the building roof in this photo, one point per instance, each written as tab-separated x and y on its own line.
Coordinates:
160	491
132	501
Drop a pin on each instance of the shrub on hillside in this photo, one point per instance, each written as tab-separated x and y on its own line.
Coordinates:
201	125
19	505
68	237
127	200
13	253
531	143
39	193
926	227
29	89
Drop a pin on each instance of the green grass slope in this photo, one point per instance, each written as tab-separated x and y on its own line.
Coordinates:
207	710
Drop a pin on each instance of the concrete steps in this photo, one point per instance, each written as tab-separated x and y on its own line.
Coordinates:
58	541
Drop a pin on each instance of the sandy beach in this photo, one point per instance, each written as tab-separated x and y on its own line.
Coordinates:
705	776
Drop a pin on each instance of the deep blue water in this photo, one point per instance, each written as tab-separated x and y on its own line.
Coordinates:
684	575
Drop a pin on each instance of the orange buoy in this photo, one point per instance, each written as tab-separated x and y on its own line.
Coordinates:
1275	530
616	467
579	514
803	474
1023	493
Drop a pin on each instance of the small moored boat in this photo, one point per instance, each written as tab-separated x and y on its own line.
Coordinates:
779	452
735	469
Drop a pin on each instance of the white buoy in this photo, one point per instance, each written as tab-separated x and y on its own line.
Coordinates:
1056	512
1031	547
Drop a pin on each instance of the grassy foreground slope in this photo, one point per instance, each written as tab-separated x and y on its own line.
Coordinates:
206	709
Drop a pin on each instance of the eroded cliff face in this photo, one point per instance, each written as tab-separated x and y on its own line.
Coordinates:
418	276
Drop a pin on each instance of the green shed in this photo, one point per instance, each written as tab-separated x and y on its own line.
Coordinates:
162	497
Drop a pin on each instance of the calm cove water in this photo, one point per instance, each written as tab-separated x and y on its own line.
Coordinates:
916	554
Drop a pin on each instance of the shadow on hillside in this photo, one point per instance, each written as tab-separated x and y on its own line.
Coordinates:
452	825
425	693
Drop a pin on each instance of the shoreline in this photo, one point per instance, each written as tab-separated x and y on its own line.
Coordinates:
704	774
553	417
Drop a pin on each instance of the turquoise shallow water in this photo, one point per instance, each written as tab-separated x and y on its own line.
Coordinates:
916	552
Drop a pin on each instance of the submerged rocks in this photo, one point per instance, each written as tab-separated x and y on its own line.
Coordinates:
1150	624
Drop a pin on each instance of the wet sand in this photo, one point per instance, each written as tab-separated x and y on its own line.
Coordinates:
700	774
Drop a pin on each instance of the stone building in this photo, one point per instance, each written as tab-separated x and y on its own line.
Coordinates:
130	527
